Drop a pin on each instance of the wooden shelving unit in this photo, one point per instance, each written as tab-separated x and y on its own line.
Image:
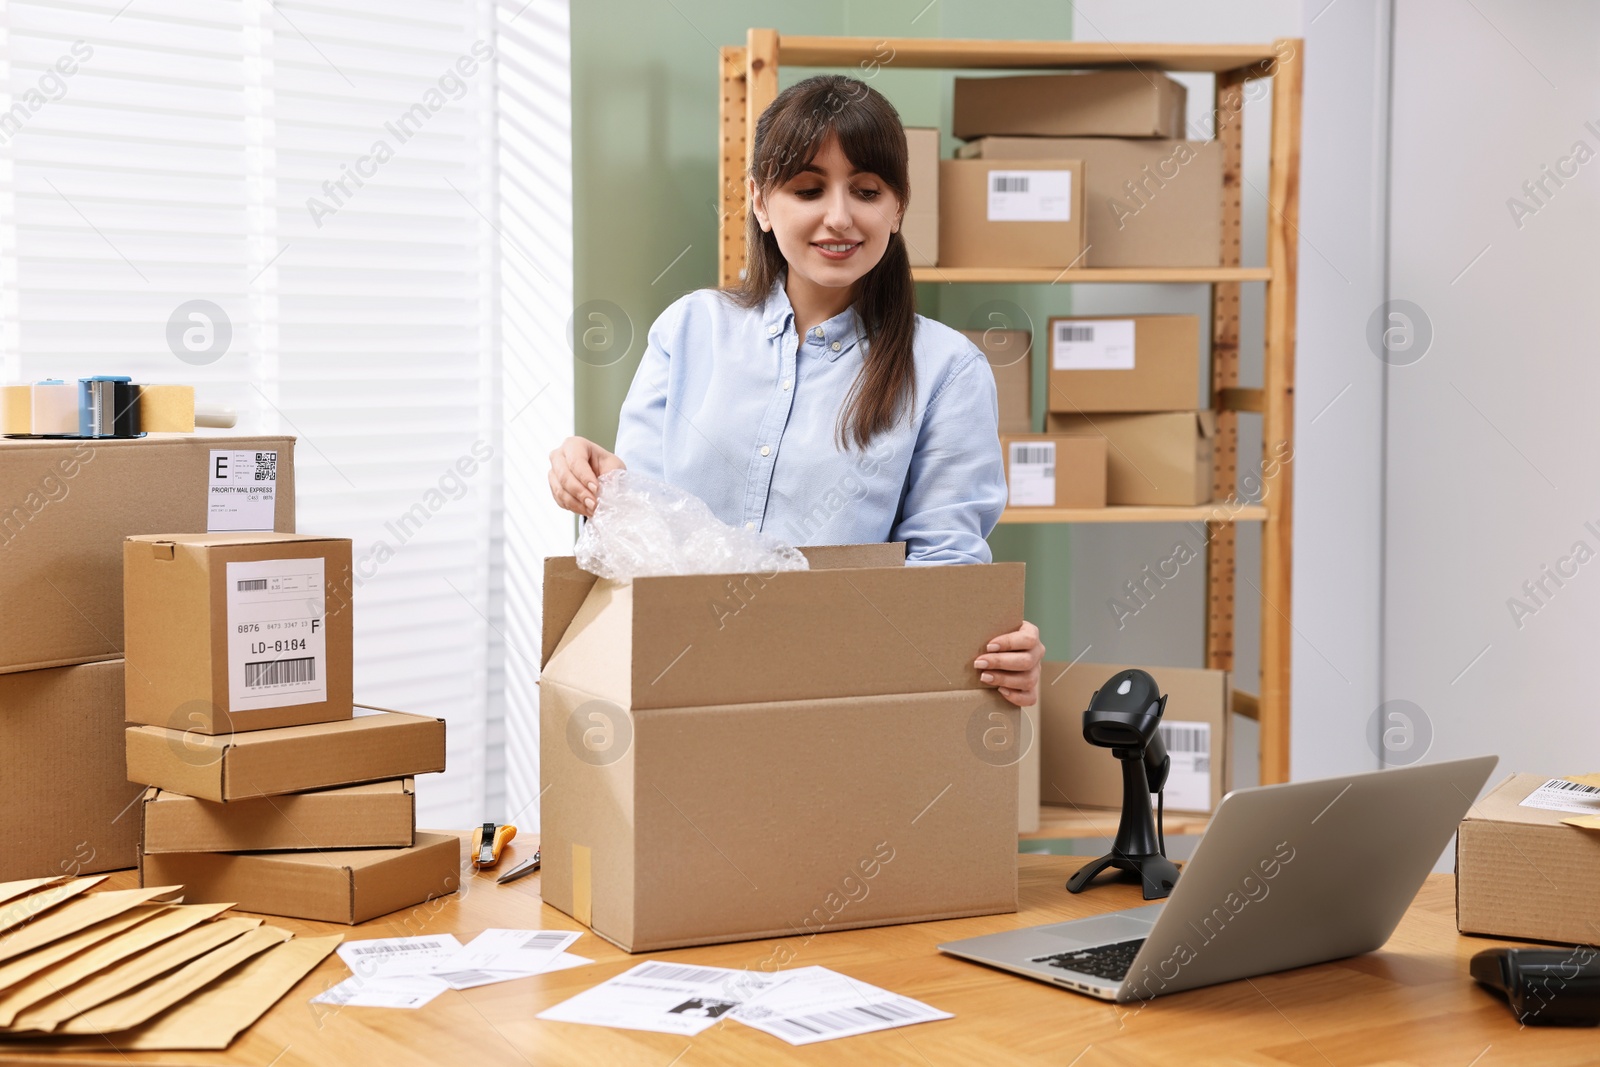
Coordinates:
749	82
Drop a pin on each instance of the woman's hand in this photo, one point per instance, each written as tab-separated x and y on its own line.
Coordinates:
1011	665
575	470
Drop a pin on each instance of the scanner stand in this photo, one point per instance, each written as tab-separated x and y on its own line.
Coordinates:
1136	849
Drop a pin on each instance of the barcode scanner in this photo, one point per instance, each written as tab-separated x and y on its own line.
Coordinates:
1544	986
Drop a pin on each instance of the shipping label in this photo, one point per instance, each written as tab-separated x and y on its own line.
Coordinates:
1189	780
241	491
1032	478
1105	344
277	634
1030	196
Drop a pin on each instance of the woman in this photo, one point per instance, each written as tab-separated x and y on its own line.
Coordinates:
811	401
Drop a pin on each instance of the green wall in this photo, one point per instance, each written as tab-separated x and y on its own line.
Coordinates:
644	118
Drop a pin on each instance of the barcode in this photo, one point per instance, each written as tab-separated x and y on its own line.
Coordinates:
280	672
266	466
1180	738
671	973
545	941
1571	787
1010	183
1035	454
1075	335
253	585
363	949
824	1022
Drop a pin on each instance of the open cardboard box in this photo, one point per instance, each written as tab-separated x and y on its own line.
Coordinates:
727	757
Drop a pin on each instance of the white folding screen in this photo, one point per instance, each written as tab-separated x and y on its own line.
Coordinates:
295	206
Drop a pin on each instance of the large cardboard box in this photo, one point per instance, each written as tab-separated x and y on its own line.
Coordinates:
374	745
1147	203
1010	213
335	887
1105	103
68	803
1522	873
245	631
920	227
67	505
1160	459
1055	470
727	757
373	815
1197	727
1124	363
1009	354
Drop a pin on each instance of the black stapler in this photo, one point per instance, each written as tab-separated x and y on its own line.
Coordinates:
1545	986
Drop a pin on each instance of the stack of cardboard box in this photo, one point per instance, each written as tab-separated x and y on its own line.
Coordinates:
268	787
65	507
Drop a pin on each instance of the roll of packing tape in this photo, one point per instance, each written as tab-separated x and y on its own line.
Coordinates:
166	408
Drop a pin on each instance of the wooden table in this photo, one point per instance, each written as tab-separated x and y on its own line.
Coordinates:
1410	1003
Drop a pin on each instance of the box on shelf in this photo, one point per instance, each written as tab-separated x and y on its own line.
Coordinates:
1124	363
920	227
1009	353
374	745
1160	459
1196	725
62	774
1147	203
243	631
372	815
1010	213
1055	470
1105	103
1521	872
656	739
337	887
67	505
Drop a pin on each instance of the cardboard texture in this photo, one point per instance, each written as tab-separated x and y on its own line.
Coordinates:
76	916
110	952
369	747
1105	103
1028	775
26	910
62	773
1147	203
1055	470
18	970
920	226
845	783
1009	353
1132	363
1074	773
971	236
181	639
1162	459
337	887
65	508
1521	873
374	815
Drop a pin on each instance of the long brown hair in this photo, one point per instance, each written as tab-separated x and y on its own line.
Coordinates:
789	134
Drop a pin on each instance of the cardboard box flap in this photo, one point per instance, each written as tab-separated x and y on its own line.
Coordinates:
1208	423
730	639
244	538
837	557
566	585
1503	804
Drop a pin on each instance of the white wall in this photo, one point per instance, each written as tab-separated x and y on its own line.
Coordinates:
1337	464
1492	439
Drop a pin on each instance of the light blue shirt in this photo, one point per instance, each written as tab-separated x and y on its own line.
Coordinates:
731	405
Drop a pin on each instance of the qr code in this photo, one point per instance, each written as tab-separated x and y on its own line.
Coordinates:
266	466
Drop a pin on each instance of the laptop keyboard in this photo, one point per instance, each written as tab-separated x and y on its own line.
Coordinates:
1110	962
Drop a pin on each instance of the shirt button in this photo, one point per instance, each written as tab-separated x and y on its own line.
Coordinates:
835	346
772	331
786	383
766	450
817	332
749	526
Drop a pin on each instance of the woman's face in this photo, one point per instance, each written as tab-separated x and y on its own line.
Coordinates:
832	221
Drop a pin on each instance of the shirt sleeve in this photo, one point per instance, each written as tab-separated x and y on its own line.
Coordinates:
956	485
642	422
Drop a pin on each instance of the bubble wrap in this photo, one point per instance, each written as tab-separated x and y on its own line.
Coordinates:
642	528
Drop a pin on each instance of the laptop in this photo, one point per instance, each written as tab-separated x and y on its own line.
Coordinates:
1285	876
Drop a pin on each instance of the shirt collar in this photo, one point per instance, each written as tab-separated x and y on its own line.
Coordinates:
829	341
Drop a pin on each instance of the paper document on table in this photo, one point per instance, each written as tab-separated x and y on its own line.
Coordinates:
815	1004
395	956
393	991
522	951
1560	794
668	998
